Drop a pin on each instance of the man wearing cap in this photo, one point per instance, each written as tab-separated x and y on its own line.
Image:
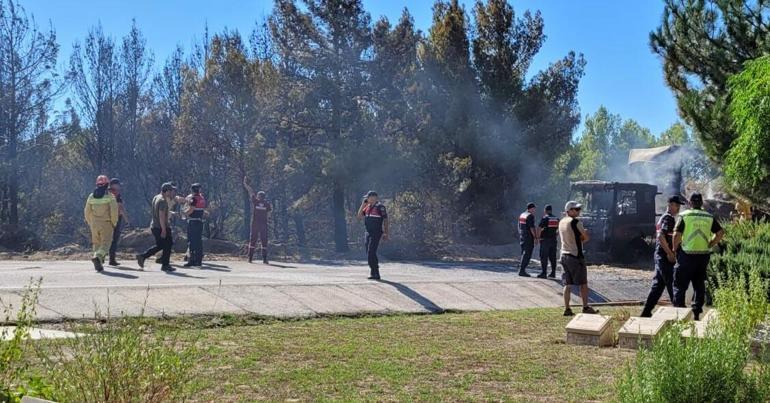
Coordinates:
696	232
664	257
161	228
573	236
527	237
195	210
122	219
260	209
548	229
376	222
101	214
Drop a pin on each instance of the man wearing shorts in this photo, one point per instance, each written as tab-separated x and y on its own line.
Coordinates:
573	236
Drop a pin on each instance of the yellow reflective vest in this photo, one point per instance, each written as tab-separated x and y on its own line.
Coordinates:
697	231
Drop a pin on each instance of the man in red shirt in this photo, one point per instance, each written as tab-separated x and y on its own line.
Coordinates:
260	208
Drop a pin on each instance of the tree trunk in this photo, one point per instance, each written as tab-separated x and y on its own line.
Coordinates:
338	213
299	222
13	180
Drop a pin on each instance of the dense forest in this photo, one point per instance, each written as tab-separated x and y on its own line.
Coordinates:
317	105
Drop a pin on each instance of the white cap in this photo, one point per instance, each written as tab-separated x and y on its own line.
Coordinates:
572	204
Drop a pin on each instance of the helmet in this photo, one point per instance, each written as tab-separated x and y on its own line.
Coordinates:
102	180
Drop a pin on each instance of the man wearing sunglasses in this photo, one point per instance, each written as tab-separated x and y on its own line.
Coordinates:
573	262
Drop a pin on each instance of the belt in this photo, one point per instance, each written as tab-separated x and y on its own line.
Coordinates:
194	219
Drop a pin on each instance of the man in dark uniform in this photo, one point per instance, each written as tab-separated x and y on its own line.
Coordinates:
122	220
376	222
695	234
664	257
195	211
260	208
548	229
527	237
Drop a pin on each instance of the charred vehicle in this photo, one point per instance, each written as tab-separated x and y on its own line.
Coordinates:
620	217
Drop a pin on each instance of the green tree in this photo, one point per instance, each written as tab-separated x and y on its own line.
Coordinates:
703	43
747	163
324	49
677	134
27	86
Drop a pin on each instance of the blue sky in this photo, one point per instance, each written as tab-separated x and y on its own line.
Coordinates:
622	74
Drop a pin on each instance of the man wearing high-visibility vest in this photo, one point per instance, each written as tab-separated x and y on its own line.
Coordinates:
696	233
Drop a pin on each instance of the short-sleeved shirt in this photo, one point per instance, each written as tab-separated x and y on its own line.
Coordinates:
570	232
117	196
550	226
526	223
159	204
374	216
259	210
665	226
715	226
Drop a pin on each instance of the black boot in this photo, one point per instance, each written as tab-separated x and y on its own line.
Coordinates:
264	258
542	274
553	274
523	273
375	274
113	262
140	261
97	264
251	257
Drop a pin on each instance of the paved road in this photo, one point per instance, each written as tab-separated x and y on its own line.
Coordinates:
71	289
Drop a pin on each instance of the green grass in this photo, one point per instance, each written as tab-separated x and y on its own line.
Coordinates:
510	356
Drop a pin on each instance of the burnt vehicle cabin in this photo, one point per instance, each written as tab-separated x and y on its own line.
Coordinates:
619	216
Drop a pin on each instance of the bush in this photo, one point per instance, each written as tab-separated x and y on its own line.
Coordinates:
716	368
16	378
745	248
121	360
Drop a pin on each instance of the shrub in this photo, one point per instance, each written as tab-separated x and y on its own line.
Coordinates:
16	378
716	368
120	360
745	248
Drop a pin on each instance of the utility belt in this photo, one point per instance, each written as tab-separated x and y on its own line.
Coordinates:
194	219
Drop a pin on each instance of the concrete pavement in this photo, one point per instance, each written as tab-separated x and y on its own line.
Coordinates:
72	290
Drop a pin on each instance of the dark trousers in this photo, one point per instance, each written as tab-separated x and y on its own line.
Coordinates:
115	238
527	246
372	243
548	254
161	244
663	280
195	242
690	268
258	232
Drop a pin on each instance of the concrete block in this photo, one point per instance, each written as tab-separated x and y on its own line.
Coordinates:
710	315
28	399
589	329
669	313
698	329
638	332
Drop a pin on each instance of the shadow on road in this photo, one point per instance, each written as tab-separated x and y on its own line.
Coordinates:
126	268
414	296
119	275
282	266
217	267
180	274
492	267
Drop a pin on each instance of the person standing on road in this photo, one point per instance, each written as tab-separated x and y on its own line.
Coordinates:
122	219
665	257
376	223
195	209
548	230
696	232
260	209
161	228
101	213
527	237
573	236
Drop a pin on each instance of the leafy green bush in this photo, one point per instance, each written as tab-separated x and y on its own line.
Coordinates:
716	368
121	360
745	248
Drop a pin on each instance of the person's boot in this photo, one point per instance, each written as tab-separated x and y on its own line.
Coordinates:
542	274
251	257
375	274
97	264
168	268
264	258
588	309
140	261
113	262
568	312
523	273
553	274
